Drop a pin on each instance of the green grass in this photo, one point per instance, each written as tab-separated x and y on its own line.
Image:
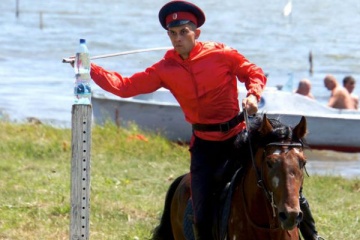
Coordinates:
130	174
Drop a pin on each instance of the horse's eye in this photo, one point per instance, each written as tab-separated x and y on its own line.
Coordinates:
270	164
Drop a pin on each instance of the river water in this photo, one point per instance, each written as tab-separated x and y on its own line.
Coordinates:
34	82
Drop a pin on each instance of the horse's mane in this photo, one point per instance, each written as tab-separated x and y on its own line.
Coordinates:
280	132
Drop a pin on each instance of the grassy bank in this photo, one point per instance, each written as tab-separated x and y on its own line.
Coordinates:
130	173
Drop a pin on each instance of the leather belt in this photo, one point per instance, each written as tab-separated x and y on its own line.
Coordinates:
219	127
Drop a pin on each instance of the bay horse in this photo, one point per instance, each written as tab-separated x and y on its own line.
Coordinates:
265	200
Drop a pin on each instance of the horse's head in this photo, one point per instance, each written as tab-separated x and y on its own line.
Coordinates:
279	163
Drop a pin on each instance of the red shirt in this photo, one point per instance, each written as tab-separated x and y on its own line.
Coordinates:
204	84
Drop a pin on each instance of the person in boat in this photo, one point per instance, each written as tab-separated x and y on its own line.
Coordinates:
203	78
304	88
349	83
340	98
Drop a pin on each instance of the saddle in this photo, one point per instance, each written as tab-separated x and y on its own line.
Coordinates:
220	214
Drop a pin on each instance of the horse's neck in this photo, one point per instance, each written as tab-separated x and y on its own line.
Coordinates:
257	204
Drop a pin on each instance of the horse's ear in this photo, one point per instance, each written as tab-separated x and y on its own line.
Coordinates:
300	130
265	126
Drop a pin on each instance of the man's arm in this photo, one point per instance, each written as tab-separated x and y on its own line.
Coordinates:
139	83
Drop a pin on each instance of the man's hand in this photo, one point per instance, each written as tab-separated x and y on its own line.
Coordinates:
70	60
250	104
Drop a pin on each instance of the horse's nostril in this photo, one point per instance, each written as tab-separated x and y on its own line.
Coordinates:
282	216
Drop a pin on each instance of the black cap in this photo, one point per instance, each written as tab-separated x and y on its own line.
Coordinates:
176	13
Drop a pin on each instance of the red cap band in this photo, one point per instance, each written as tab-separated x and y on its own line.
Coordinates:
181	16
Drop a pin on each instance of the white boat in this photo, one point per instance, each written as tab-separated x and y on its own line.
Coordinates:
328	128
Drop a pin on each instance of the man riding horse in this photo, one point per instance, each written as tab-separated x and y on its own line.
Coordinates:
203	78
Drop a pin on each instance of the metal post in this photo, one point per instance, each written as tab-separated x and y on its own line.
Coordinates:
311	70
80	172
41	23
17	11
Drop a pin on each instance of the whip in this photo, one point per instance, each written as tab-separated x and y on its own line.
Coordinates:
71	59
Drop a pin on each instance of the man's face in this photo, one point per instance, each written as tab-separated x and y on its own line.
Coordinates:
350	86
183	39
329	84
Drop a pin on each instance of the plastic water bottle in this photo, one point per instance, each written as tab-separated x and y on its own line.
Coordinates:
82	89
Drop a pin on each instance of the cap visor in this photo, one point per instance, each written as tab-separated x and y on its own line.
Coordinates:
177	23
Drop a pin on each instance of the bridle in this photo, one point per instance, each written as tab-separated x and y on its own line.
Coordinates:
259	173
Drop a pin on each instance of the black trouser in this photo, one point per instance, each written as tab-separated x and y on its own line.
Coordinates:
207	177
307	225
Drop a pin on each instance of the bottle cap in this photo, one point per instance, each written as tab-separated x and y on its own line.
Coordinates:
82	41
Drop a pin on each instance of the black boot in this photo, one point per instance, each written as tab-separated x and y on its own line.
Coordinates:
201	233
196	232
307	225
